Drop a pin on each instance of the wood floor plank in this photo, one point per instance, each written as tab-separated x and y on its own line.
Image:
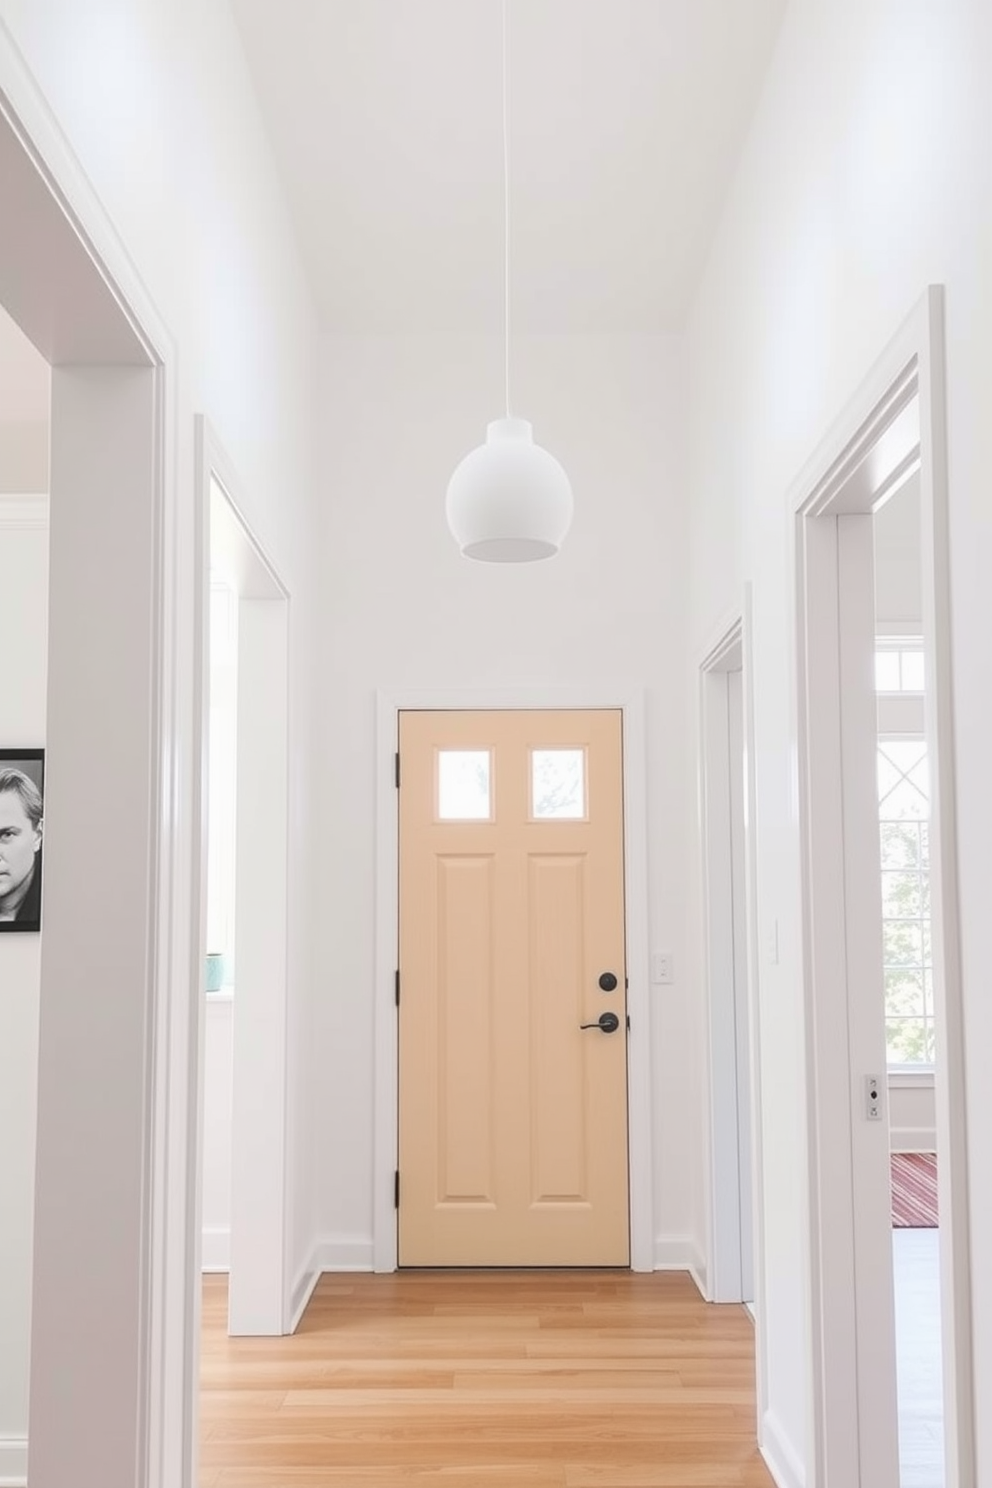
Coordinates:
485	1380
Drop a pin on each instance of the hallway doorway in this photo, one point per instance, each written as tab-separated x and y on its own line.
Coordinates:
103	1060
726	796
858	990
630	705
244	904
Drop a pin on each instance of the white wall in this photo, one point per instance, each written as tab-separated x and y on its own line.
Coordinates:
898	580
218	1070
912	1114
403	609
865	176
24	616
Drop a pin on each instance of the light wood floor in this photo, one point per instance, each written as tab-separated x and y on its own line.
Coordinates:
548	1379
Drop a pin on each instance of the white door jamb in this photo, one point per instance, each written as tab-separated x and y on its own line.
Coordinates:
631	702
897	415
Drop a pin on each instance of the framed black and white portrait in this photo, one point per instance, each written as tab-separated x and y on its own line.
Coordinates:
22	796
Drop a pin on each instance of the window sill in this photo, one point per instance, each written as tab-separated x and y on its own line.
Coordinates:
911	1079
223	994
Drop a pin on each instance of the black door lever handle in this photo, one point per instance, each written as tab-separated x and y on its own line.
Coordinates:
606	1023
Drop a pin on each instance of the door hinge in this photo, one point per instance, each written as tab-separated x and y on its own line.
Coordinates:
628	1022
397	988
397	769
396	1189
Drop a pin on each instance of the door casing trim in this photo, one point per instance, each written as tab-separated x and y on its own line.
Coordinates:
734	635
168	1341
837	480
629	701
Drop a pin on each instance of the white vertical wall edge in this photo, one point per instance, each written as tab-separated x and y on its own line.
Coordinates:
630	700
754	1004
168	1275
723	1233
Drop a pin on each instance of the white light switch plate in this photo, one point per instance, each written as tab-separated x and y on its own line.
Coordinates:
662	969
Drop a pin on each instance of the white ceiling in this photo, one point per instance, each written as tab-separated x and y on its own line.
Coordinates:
626	121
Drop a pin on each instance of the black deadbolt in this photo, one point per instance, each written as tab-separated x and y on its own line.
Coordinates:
608	982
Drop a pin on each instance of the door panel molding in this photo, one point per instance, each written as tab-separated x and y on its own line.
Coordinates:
629	700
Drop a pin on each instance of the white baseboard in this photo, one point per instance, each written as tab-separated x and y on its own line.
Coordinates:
13	1461
330	1253
680	1253
302	1292
25	513
216	1248
781	1458
343	1253
913	1139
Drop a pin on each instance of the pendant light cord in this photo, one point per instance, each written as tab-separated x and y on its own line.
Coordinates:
506	226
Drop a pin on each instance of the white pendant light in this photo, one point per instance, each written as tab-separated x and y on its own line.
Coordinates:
509	501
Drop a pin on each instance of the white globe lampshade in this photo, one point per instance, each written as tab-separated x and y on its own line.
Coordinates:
509	501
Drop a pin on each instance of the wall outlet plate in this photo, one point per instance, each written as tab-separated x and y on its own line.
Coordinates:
662	968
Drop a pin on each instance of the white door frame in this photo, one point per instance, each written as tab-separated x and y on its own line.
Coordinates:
154	1413
880	435
727	1238
630	702
723	1266
258	1298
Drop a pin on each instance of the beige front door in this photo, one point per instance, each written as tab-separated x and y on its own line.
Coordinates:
512	1116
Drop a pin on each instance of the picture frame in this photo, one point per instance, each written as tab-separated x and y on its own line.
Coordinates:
22	809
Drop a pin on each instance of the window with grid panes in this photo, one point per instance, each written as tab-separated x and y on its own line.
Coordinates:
904	813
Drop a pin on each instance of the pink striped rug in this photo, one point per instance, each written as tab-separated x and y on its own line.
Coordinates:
914	1190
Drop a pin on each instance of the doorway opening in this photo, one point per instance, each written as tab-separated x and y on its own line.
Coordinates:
244	612
631	706
25	400
726	815
907	961
105	1076
861	985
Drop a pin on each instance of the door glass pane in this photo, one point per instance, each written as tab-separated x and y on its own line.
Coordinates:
558	784
463	792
